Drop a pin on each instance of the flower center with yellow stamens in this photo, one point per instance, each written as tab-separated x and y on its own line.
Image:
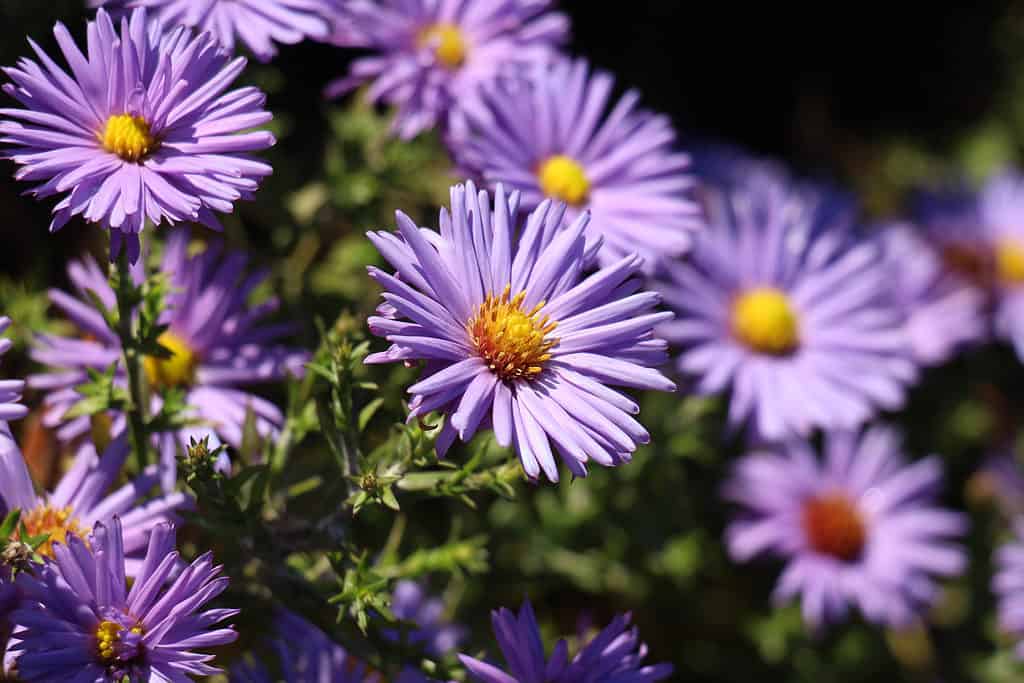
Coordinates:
128	137
834	527
109	636
1009	256
764	319
515	343
448	42
56	523
563	178
178	370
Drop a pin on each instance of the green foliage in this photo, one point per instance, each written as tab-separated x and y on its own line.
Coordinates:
100	395
18	550
25	304
369	172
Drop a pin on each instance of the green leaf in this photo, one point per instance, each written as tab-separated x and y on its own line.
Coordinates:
99	394
10	524
368	411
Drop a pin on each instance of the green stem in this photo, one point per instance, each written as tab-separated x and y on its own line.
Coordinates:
339	445
133	362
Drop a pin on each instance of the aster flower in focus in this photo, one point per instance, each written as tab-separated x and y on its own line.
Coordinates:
412	604
430	58
557	135
859	527
80	621
980	241
942	314
782	302
218	343
615	655
84	496
515	337
10	389
305	655
257	23
144	128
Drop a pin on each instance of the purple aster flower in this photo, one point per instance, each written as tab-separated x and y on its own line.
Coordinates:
143	128
83	496
942	313
515	337
556	135
980	240
80	621
305	655
10	389
218	344
615	655
411	603
257	23
782	302
859	527
431	56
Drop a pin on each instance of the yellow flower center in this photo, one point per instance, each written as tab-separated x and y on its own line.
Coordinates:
178	370
108	634
56	523
1010	262
563	178
834	527
513	342
448	42
764	320
128	137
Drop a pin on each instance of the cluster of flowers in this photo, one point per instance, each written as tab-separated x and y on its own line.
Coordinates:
146	128
526	326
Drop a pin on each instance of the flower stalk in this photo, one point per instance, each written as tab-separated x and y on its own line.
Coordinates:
126	330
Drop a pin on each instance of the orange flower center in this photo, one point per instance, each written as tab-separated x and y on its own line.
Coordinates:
834	527
515	343
57	523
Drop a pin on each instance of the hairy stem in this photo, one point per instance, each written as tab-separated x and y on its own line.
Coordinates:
136	413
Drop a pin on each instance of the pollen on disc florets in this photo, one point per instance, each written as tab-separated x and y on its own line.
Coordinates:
178	370
128	137
515	343
448	42
834	526
563	178
116	642
764	320
55	523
